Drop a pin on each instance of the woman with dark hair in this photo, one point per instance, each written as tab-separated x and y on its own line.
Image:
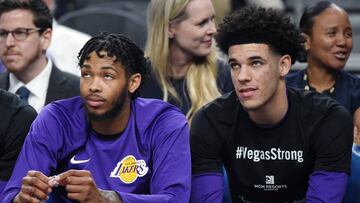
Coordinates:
328	44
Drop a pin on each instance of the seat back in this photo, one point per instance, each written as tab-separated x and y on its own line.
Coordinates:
93	20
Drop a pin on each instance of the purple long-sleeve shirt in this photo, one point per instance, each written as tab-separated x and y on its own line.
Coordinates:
148	162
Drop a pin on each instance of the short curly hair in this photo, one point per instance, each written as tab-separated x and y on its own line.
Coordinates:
124	49
259	25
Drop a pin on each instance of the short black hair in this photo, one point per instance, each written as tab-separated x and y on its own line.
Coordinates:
310	12
124	49
259	25
42	16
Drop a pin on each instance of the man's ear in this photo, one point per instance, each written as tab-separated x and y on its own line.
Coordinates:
285	65
307	41
46	38
134	82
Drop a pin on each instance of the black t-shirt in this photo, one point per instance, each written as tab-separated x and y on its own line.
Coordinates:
273	163
16	118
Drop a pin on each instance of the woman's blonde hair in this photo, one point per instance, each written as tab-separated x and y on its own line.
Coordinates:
201	77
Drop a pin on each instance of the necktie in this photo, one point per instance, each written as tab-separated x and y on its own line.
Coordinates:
23	93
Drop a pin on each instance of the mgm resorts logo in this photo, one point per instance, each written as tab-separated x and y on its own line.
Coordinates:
269	180
270	184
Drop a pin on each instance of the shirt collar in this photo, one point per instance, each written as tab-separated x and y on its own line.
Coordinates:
37	86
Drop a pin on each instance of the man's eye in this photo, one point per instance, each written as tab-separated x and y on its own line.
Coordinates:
257	63
108	76
235	66
3	33
19	32
85	74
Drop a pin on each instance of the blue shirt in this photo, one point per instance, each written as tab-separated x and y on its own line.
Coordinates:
346	89
148	162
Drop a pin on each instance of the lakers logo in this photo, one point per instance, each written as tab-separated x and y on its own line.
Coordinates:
129	169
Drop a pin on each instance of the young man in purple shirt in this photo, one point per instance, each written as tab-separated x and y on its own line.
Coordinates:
107	145
277	144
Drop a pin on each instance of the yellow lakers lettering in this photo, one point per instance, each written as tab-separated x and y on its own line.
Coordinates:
129	169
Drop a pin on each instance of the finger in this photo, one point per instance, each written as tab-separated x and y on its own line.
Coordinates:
40	194
36	182
62	177
27	198
33	192
80	185
39	180
76	196
72	175
85	180
355	131
77	188
74	172
356	136
85	196
38	175
27	190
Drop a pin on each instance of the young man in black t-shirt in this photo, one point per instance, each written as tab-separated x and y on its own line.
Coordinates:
277	144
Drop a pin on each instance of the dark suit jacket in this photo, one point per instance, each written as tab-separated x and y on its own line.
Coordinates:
61	85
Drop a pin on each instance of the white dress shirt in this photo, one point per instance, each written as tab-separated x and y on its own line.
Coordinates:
38	87
65	46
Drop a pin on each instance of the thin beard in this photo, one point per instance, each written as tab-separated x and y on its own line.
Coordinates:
112	113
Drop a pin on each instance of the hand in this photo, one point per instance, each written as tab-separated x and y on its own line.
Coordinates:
34	188
80	186
356	136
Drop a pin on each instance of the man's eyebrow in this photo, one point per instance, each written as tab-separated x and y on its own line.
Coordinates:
108	68
255	57
232	60
85	65
251	58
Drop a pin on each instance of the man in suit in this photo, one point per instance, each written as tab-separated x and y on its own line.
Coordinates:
25	35
16	118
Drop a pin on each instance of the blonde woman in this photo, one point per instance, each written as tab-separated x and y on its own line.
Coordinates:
180	47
